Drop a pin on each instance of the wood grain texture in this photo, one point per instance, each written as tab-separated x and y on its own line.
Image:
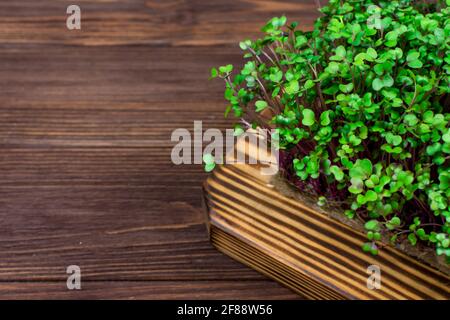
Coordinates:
154	290
85	123
149	22
303	248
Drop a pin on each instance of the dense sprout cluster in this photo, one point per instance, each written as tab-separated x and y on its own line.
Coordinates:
361	105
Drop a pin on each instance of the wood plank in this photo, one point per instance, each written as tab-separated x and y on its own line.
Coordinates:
154	290
118	213
88	177
100	101
92	76
155	22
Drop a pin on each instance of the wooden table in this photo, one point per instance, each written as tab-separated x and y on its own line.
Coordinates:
86	117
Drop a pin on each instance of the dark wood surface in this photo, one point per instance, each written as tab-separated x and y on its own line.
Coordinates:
85	124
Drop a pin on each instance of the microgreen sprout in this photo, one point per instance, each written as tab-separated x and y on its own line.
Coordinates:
361	105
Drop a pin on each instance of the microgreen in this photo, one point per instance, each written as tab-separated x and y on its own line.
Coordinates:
209	161
361	105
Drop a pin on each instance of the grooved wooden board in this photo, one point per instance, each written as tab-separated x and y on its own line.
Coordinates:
305	249
85	123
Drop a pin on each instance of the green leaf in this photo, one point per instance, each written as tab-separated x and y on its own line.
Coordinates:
412	55
321	201
309	84
276	77
292	87
346	88
325	118
333	67
357	186
361	199
226	69
415	64
371	196
372	53
238	131
393	223
244	45
372	225
433	149
422	234
412	239
249	67
388	81
361	169
210	167
377	84
260	105
214	73
374	250
300	41
337	172
385	82
208	158
393	139
366	247
349	214
411	120
209	161
444	179
340	54
413	59
308	117
446	136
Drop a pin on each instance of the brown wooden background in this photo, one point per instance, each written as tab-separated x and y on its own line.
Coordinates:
85	124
